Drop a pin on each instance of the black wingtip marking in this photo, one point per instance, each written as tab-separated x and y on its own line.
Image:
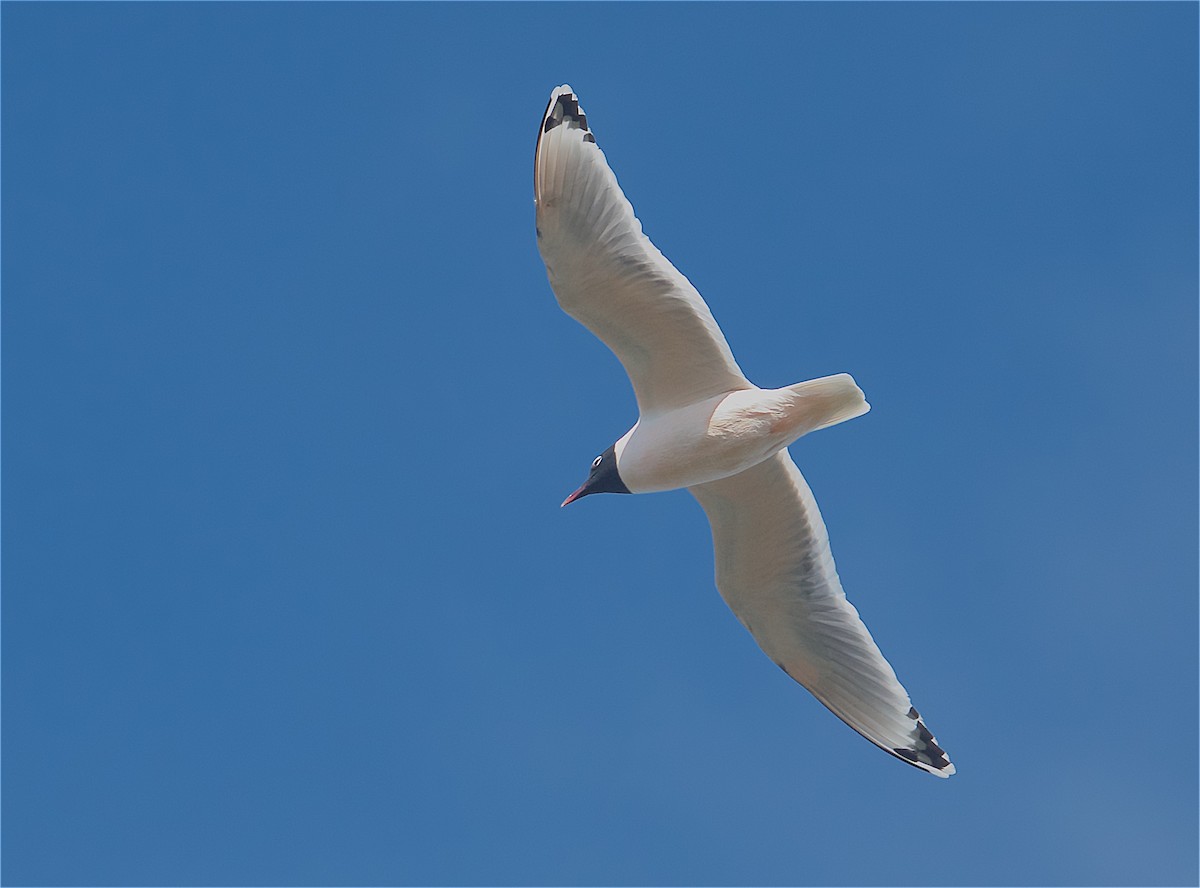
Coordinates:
588	137
570	106
564	109
925	751
913	714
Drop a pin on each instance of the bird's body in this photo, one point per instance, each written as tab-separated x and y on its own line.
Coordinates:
703	426
728	433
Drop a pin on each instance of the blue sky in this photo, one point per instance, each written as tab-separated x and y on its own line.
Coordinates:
289	409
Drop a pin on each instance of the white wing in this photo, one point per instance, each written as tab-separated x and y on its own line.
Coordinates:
609	277
776	573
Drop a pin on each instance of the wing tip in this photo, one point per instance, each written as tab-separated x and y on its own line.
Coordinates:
564	109
924	752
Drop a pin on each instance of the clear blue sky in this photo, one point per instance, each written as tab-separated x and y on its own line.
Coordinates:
289	409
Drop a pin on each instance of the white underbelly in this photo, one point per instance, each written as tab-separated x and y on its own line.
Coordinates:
703	442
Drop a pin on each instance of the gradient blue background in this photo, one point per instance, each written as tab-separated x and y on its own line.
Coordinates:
289	410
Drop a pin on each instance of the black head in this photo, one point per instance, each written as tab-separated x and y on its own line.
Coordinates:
603	478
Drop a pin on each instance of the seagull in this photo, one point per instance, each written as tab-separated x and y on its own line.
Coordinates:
703	426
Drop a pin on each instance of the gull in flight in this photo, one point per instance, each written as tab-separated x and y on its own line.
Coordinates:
702	425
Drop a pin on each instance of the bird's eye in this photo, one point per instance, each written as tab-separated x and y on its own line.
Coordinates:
596	461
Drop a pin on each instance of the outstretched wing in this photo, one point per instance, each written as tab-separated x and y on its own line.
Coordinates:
608	276
776	573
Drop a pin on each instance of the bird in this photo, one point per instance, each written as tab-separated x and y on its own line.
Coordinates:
703	426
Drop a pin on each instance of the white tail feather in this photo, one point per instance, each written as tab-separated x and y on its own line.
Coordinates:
828	400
